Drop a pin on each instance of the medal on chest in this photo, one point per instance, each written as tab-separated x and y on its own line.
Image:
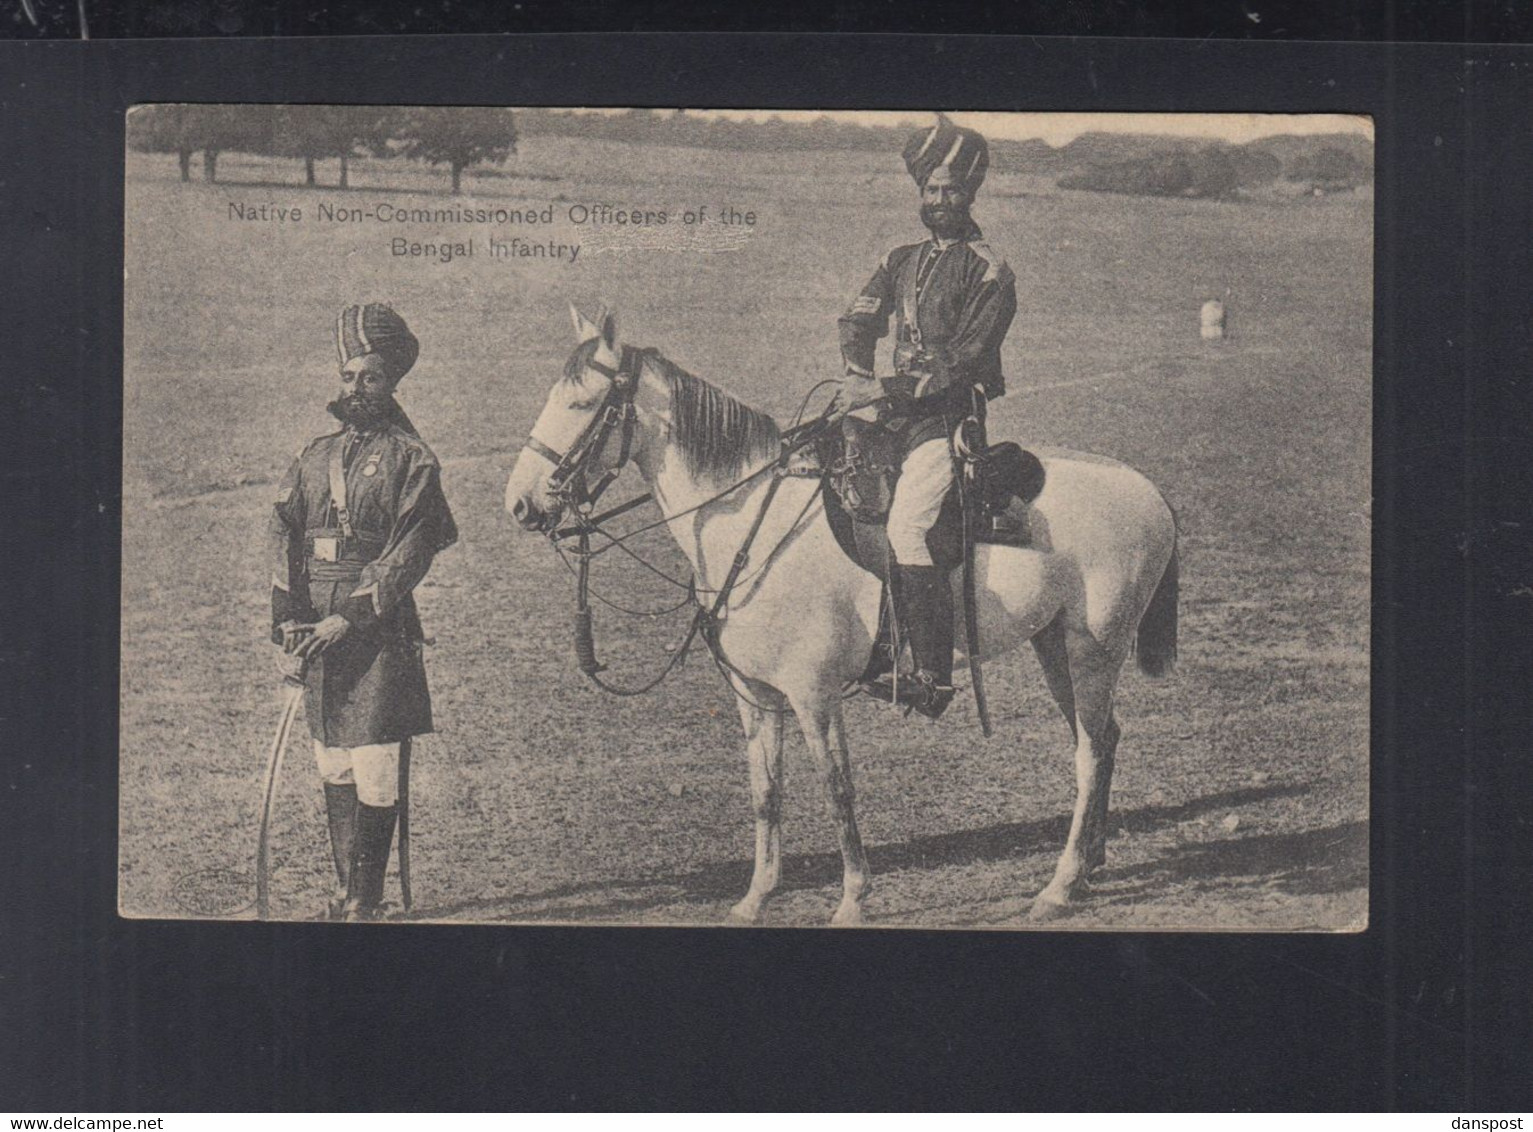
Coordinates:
371	467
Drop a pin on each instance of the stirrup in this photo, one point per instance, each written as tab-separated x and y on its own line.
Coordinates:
918	692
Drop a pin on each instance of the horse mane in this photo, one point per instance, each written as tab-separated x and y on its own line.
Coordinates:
716	434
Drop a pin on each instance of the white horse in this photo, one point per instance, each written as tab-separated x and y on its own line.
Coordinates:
1101	567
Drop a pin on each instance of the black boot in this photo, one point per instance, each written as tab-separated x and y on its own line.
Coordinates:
341	810
925	604
369	861
928	599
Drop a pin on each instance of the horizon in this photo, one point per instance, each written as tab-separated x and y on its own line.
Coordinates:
1059	128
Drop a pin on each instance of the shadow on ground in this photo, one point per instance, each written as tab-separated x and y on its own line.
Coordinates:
1311	862
1330	860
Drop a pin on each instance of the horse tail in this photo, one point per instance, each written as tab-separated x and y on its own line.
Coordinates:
1156	645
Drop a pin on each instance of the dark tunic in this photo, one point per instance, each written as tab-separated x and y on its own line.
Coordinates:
952	306
370	687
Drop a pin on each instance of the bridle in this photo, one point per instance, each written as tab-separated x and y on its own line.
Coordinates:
567	482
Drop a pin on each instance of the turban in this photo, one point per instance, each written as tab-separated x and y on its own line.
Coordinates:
376	329
963	151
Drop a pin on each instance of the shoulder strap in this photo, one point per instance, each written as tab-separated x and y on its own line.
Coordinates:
338	488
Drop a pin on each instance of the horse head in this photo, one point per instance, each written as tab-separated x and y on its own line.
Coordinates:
576	437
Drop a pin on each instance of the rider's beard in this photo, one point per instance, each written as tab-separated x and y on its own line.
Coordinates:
946	221
361	411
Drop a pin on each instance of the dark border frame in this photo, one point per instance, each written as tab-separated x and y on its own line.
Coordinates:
1429	1009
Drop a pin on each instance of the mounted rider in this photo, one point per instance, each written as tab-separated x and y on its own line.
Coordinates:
952	298
358	519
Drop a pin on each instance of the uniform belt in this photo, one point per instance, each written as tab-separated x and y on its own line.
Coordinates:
336	557
334	571
330	545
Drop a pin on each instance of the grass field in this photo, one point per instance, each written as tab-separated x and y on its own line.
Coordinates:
1240	799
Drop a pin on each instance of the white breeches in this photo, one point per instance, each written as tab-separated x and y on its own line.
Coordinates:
374	769
925	479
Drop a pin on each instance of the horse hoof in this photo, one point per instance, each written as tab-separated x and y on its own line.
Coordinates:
1047	908
847	916
743	915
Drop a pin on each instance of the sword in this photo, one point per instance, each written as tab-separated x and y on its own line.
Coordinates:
971	443
294	693
404	821
971	639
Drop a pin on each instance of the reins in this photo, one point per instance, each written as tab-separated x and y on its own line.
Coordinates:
566	479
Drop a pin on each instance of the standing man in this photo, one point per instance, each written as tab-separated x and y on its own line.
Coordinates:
952	298
358	519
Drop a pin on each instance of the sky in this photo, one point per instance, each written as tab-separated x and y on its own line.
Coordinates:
1060	128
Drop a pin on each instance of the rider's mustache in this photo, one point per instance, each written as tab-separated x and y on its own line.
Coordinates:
358	407
945	221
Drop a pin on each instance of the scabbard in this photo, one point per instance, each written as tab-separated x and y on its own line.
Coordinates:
971	636
404	822
273	775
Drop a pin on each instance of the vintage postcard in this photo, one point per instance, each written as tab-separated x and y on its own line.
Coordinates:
917	519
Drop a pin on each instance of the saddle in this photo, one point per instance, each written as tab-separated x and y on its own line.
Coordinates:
860	467
861	462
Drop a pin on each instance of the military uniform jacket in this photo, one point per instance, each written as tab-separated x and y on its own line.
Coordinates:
370	687
952	305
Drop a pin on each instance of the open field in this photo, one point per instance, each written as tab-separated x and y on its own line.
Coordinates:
1240	798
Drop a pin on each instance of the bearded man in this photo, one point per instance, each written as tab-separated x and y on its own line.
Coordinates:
358	519
952	298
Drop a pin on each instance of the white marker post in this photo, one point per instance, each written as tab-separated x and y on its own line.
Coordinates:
1213	321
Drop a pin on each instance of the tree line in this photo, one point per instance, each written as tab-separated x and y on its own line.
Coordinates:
455	136
1220	171
680	128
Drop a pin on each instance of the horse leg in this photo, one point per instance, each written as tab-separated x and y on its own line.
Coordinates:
762	718
825	733
1049	644
1093	675
1054	658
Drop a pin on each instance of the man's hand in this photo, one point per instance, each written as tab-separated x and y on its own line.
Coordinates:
290	667
294	633
857	391
325	634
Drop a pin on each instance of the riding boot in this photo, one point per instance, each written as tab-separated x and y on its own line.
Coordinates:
924	605
927	599
341	810
369	861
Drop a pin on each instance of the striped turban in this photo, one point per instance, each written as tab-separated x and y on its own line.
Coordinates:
963	151
376	329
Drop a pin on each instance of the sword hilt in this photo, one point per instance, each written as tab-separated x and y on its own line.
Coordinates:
297	679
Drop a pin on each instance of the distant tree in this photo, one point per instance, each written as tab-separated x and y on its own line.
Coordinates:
164	129
240	129
317	133
1214	173
458	137
185	128
1329	166
1254	167
1207	172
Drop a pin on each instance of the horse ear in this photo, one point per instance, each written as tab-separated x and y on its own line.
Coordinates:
585	329
608	322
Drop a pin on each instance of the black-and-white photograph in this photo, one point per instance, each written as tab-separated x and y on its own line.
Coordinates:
919	519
